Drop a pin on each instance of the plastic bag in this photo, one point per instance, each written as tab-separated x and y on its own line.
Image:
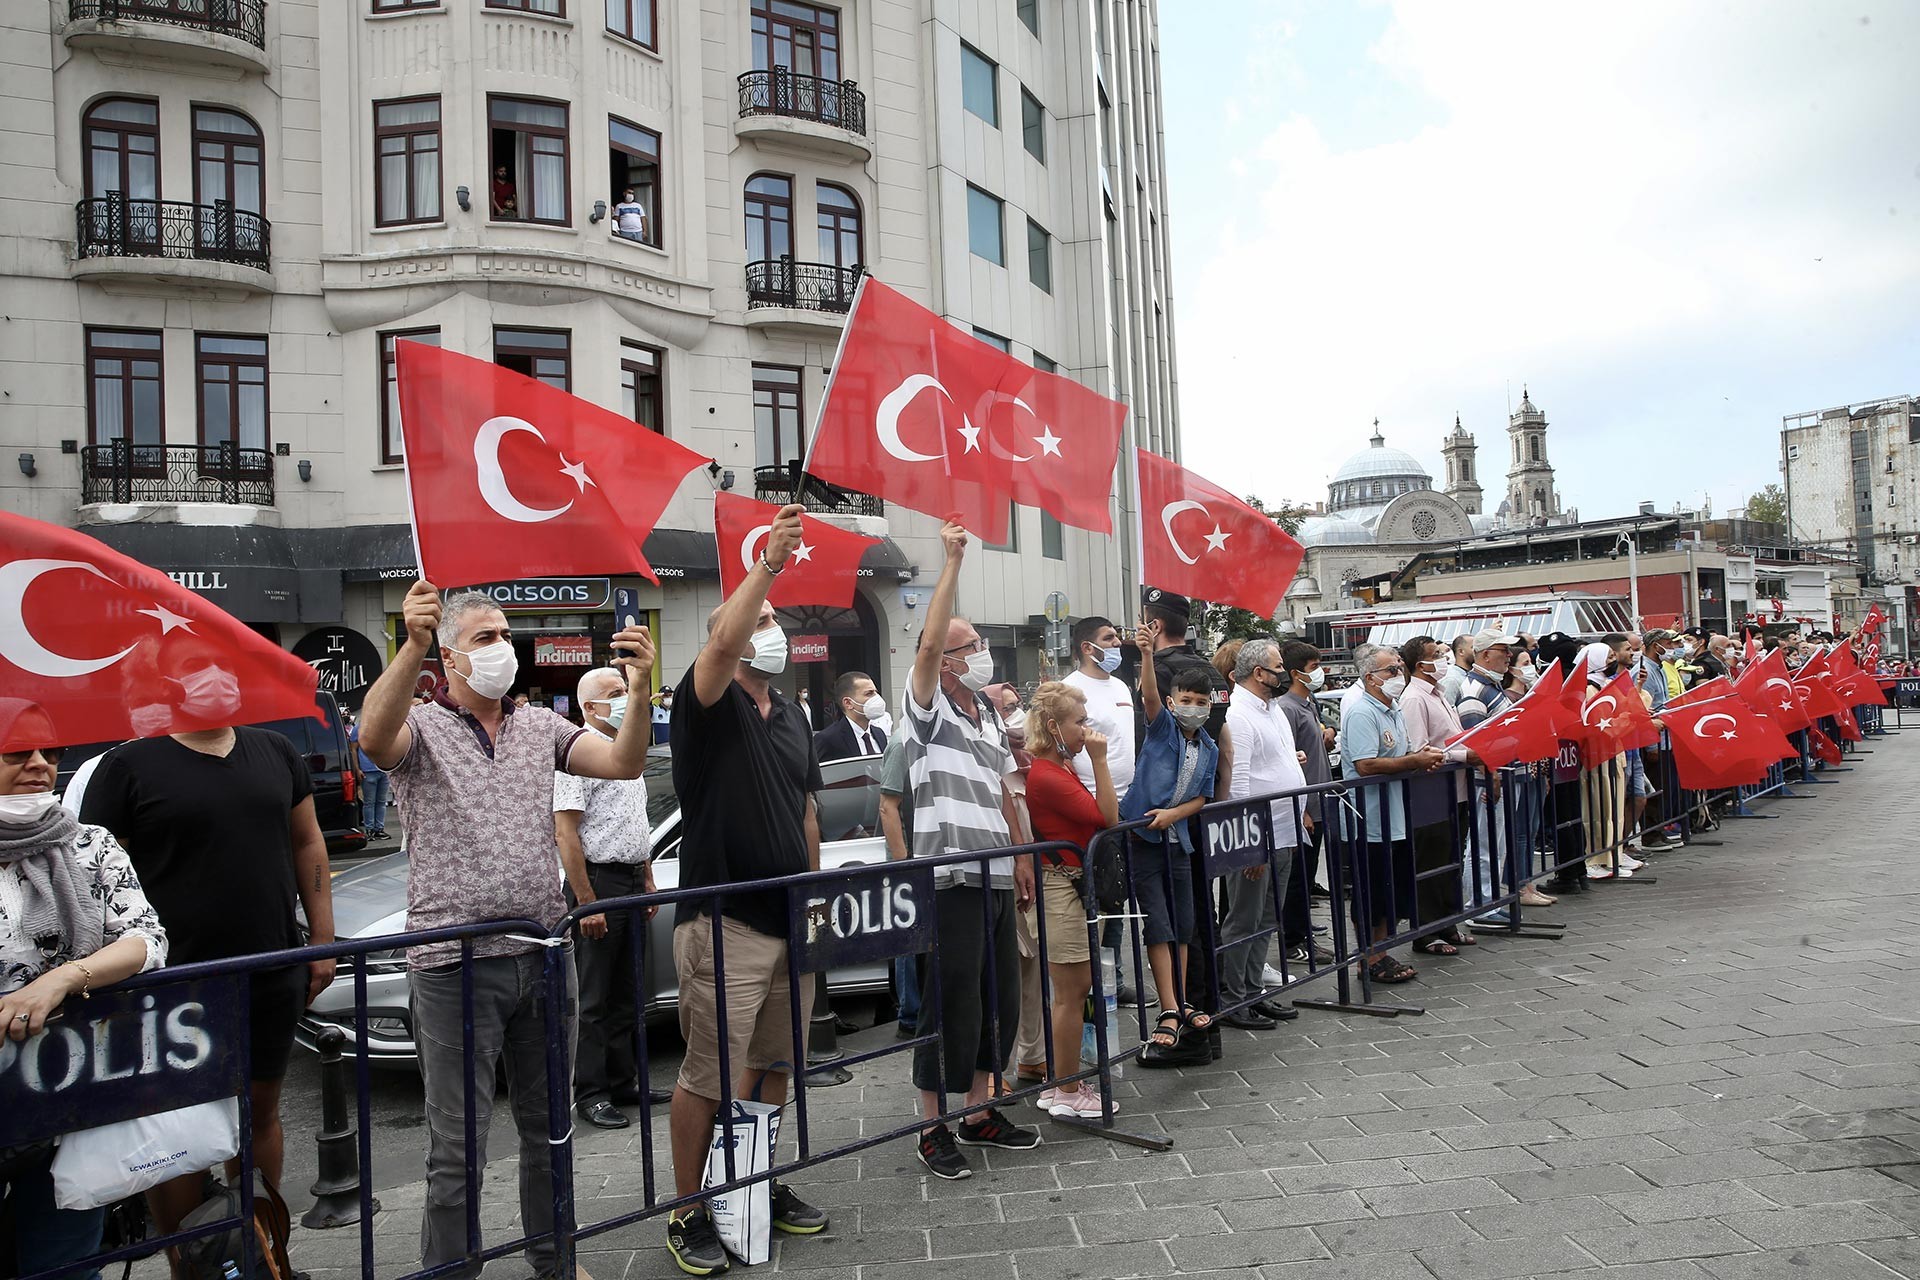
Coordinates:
744	1217
95	1167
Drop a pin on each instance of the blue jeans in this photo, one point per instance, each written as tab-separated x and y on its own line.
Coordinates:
47	1236
906	985
373	805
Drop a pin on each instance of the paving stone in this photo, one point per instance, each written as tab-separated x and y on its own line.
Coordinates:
1820	1262
1696	1200
1048	1204
1420	1119
1840	1153
1245	1248
1814	1224
1370	1266
1472	1164
1543	1218
1500	1259
1395	1235
1342	1177
1584	1152
832	1252
1113	1262
1680	1171
1551	1184
1654	1242
1500	1133
1000	1268
1902	1256
1830	1186
1149	1224
1293	1210
1458	1193
1379	1146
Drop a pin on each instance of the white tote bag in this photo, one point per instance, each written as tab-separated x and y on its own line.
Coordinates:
744	1217
96	1167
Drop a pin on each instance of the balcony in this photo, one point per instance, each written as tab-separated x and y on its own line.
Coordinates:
805	298
804	114
175	473
775	485
225	33
173	242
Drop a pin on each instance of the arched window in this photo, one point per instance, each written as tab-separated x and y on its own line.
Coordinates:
838	213
122	143
1516	448
769	217
229	179
1533	447
1540	500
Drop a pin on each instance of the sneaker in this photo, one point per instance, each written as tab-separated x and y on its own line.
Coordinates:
1631	864
1272	977
794	1215
1296	954
694	1244
1045	1100
1654	841
938	1153
1599	873
992	1129
1083	1103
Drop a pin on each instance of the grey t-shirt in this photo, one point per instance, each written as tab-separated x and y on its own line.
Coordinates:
1304	719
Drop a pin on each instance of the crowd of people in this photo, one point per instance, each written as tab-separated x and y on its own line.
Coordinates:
199	846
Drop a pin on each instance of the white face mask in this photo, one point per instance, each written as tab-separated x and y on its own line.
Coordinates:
212	694
1442	665
1108	660
769	651
494	667
1394	687
1016	720
873	708
979	672
1192	719
1314	678
616	712
26	808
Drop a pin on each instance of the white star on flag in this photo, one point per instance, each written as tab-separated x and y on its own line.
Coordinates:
168	619
803	553
1604	722
577	472
1048	442
971	434
1217	541
1729	735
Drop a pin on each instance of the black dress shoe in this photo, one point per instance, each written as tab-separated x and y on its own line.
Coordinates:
604	1115
1248	1020
1275	1010
630	1098
1190	1051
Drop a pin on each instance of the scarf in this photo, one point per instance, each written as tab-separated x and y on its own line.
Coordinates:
56	907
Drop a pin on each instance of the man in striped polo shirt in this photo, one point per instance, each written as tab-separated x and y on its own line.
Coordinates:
957	756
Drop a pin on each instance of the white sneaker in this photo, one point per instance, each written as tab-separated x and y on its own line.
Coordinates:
1045	1100
1272	977
1598	873
1083	1102
1630	864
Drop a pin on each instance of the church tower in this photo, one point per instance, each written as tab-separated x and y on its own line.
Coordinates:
1463	485
1530	494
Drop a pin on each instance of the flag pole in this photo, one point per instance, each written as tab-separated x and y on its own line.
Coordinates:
1139	538
833	374
406	464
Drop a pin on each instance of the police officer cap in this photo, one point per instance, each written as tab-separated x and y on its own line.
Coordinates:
1167	602
1698	633
1557	645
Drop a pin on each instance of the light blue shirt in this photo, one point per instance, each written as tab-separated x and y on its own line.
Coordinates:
1370	731
1651	678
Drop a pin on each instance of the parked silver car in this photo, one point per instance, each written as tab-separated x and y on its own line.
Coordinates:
370	900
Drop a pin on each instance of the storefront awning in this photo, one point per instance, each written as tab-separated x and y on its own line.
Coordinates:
248	570
679	555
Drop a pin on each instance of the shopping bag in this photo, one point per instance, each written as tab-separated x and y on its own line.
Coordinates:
744	1216
95	1167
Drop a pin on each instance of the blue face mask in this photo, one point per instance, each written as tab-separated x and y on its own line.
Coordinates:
1108	660
616	712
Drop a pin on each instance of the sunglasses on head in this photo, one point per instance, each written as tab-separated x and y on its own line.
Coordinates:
50	754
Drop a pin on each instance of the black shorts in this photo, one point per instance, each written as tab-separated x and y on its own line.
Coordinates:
278	998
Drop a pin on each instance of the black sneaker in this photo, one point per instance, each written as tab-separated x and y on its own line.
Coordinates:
694	1244
992	1129
939	1154
794	1215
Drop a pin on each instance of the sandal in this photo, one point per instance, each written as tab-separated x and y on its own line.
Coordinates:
1437	947
1387	969
1166	1035
1192	1017
1460	937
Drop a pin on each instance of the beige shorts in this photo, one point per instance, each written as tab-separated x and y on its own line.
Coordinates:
1066	915
759	1003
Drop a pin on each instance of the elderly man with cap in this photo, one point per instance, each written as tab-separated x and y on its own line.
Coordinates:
1483	695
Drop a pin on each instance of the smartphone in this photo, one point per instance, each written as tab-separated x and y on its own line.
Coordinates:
626	612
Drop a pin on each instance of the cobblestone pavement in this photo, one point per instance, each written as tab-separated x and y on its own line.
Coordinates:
1712	1077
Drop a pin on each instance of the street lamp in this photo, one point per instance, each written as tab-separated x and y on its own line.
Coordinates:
1633	572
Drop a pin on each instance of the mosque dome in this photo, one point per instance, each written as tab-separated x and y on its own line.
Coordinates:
1375	476
1323	531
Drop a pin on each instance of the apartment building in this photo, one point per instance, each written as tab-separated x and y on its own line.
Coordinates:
219	216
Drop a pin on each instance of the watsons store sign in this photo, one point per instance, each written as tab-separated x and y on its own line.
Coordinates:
551	593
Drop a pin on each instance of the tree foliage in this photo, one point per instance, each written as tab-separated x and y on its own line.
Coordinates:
1220	623
1769	505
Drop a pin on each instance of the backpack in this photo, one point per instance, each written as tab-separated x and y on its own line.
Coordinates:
218	1256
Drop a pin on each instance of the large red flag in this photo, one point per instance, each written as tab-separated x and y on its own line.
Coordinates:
925	415
1722	742
1201	541
1615	721
824	569
1705	691
1572	698
1815	692
512	478
1861	689
1523	733
110	648
1824	748
1767	689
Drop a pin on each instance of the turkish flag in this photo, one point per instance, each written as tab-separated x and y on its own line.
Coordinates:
1816	694
1875	616
1705	691
109	648
1201	541
1523	733
512	478
1861	689
824	569
1768	690
1572	698
1849	726
1824	748
925	415
1615	721
1722	742
1751	651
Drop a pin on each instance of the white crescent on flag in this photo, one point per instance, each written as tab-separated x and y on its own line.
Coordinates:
1586	713
493	480
748	543
886	420
1700	725
1168	512
17	644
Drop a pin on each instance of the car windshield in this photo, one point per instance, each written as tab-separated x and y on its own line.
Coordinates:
661	801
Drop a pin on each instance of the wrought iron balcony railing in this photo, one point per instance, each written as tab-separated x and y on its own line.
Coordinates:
113	226
242	19
121	472
775	484
778	92
805	286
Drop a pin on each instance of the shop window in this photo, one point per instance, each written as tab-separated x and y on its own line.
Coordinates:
545	354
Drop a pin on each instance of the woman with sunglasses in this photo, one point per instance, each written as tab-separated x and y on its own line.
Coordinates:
72	920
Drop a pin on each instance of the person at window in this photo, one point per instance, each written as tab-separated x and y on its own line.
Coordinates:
606	851
958	757
630	218
473	773
746	773
73	919
854	733
505	198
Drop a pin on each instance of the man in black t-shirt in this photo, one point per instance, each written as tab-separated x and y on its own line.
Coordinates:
220	828
745	769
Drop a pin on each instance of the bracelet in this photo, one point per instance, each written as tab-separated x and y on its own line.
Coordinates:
768	566
86	980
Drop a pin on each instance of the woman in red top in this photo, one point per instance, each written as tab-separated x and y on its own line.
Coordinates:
1059	808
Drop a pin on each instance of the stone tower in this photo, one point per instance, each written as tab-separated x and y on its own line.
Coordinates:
1463	483
1530	492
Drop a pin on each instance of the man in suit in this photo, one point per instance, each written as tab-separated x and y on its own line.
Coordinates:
854	734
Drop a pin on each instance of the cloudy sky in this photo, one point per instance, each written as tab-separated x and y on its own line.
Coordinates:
1675	222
